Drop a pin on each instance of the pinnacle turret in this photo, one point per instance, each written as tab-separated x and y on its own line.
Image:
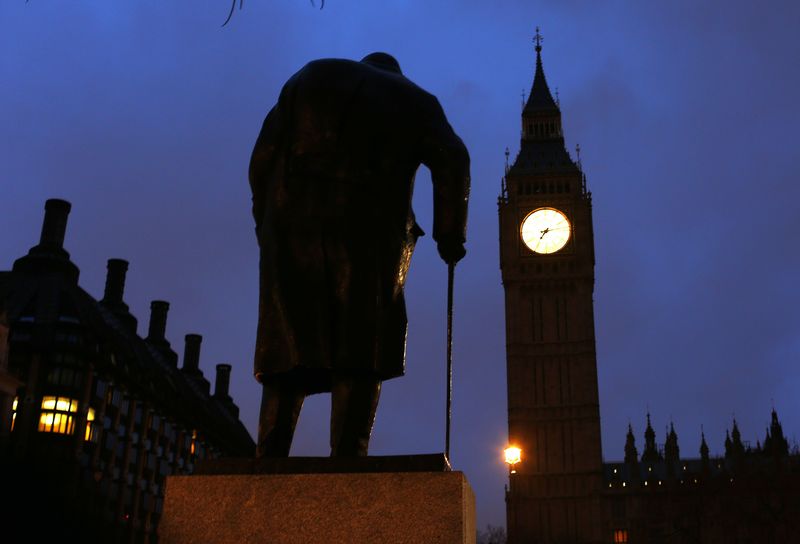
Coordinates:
705	458
671	449
650	453
671	452
631	455
703	447
734	448
775	443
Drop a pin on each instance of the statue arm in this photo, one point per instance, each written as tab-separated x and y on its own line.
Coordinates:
448	160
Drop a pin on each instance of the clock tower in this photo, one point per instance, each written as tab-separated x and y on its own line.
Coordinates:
547	264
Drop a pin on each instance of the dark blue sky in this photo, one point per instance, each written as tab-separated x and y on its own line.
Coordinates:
143	114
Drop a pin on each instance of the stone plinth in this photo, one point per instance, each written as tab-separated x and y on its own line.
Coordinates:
325	507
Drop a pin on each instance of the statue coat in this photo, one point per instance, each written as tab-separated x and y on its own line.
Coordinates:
332	175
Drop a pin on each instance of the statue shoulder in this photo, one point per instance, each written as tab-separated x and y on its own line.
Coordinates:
322	67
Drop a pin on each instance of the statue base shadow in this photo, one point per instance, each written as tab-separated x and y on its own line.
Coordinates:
310	500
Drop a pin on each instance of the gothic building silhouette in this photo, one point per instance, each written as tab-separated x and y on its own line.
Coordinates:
93	417
562	491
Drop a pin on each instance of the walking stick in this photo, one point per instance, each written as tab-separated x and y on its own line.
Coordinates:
450	273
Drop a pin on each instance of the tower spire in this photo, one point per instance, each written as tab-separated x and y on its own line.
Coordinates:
540	100
541	115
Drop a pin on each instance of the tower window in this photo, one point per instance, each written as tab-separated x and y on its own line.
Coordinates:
620	536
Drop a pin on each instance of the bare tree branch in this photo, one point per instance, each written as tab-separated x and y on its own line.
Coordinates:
233	6
241	3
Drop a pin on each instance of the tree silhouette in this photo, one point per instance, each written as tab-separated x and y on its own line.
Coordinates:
492	535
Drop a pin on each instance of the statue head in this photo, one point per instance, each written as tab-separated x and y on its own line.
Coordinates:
383	61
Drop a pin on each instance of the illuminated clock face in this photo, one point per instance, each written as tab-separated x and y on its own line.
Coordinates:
545	230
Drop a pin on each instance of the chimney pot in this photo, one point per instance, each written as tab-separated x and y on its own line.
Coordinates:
158	320
115	281
54	226
191	353
223	381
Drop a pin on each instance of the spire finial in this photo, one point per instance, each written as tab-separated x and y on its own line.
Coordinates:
537	39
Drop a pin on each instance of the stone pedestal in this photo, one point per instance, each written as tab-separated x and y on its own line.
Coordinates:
325	507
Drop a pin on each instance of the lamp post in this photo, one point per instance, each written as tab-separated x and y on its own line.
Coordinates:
513	455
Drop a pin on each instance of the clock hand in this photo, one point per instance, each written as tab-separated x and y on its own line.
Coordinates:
545	231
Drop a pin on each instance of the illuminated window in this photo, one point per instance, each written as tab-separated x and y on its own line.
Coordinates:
14	412
193	446
58	415
90	430
620	535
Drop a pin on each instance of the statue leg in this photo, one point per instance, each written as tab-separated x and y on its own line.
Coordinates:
281	402
353	405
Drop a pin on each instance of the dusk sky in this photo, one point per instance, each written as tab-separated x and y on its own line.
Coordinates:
143	114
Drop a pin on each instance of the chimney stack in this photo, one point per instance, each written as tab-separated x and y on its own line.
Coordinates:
223	381
54	226
115	282
158	321
191	353
49	255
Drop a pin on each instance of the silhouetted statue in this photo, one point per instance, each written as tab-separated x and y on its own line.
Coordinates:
332	175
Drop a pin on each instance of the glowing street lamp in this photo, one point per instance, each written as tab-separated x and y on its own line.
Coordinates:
513	455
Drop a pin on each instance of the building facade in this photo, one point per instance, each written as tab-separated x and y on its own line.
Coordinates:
93	417
562	491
